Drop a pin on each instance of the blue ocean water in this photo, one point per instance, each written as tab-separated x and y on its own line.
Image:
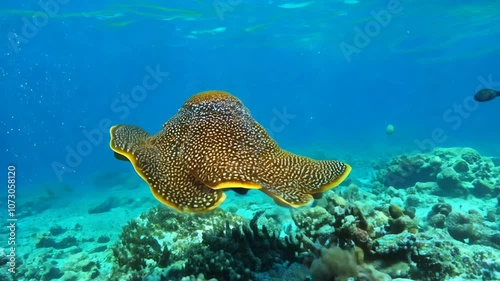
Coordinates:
325	78
64	80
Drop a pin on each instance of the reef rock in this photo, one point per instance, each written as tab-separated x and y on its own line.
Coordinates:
456	171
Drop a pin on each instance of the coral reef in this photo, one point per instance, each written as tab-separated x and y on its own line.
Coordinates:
470	228
315	223
398	227
218	244
449	172
358	244
404	171
445	257
432	216
457	172
246	250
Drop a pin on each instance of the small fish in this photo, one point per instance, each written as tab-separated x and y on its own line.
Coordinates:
486	95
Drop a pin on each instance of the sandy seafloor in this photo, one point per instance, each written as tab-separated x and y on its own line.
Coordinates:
44	213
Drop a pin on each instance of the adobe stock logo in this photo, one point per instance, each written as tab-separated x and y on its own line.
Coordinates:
95	137
31	27
280	120
372	29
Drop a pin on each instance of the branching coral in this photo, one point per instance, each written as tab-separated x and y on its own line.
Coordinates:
236	253
135	248
219	245
159	237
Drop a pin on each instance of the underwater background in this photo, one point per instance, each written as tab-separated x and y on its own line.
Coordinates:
385	86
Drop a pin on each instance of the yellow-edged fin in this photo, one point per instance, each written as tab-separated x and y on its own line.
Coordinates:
127	155
138	143
187	209
132	160
120	156
237	184
335	182
284	203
